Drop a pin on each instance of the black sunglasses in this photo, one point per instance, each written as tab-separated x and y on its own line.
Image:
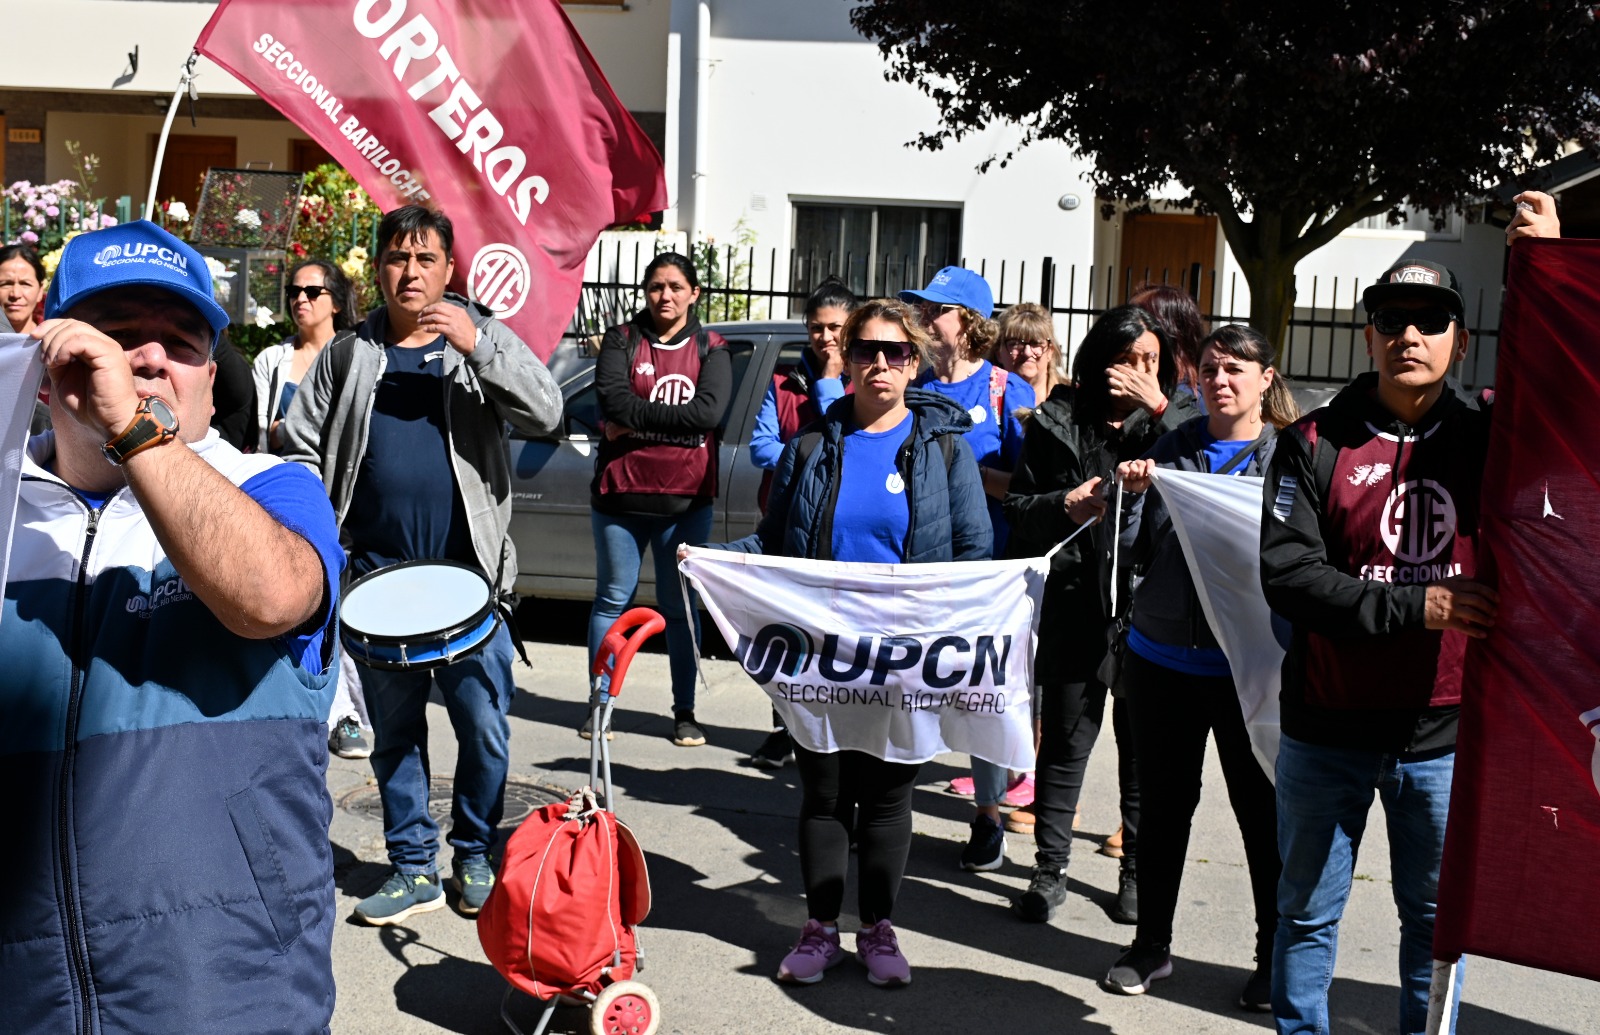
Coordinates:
895	353
312	291
1395	321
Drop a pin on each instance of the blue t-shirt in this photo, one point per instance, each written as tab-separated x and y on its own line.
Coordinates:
994	443
406	506
1219	451
872	515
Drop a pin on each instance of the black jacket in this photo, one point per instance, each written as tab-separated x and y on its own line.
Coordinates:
1361	513
1058	455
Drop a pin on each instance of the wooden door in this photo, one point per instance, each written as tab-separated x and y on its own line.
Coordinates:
183	169
1167	248
306	155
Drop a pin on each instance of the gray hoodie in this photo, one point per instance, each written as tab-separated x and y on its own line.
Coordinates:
501	382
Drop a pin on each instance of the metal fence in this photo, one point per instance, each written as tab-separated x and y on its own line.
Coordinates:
1324	344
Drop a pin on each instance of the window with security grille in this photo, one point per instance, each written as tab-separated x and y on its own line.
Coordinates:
876	249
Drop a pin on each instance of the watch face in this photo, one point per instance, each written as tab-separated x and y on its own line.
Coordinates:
162	413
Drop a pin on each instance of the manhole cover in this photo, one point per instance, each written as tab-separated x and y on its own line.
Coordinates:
522	798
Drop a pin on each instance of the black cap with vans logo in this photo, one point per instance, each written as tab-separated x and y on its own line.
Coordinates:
1418	279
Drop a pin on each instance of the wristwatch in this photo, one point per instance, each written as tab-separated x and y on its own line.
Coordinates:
153	423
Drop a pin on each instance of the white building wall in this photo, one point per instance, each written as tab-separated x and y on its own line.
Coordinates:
84	45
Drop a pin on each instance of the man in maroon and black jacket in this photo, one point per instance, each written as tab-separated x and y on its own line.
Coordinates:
1367	549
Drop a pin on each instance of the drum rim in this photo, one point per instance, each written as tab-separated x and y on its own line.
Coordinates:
448	632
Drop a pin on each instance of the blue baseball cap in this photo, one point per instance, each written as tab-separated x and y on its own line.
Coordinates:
133	253
955	285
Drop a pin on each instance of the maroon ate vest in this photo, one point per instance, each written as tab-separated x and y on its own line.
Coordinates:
655	463
1402	511
796	408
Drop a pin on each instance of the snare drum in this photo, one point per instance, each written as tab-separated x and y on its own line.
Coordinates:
417	615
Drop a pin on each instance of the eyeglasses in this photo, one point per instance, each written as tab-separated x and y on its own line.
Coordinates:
895	353
1395	321
934	310
1018	345
312	291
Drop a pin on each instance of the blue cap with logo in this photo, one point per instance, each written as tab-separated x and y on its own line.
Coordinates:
139	252
955	285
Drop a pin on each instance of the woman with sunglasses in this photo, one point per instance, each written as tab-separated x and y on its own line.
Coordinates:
1179	686
1027	347
885	476
1075	440
321	303
663	383
955	309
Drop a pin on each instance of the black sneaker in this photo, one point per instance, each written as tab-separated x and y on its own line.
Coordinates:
774	752
1046	890
346	741
1257	994
586	731
1126	910
686	733
1140	967
986	849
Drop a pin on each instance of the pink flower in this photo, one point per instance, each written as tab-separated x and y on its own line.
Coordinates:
30	237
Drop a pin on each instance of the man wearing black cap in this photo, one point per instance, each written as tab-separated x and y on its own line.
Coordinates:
166	679
1367	539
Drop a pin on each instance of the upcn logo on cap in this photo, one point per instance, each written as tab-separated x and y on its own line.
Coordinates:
105	256
1415	275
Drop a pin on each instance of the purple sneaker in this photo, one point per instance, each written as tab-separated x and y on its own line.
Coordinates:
879	951
816	951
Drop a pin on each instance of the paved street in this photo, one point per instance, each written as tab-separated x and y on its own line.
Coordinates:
721	841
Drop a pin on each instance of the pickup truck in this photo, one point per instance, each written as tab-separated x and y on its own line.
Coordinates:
551	476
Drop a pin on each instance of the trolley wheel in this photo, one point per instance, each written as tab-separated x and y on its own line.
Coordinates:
626	1008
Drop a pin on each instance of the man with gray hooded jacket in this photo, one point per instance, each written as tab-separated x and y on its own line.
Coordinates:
405	420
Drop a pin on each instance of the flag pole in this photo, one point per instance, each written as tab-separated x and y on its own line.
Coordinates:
185	81
1442	996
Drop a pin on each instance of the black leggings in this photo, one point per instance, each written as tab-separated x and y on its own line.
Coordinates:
1070	716
1172	713
848	786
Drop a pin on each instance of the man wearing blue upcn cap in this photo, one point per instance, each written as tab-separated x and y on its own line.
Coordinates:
166	680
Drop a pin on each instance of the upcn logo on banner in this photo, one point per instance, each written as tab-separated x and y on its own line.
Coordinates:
944	661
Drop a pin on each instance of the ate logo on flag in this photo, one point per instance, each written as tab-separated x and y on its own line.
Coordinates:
500	278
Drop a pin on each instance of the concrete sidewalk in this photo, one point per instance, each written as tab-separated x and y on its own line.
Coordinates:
728	901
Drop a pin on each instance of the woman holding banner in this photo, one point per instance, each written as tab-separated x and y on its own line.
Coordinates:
1120	401
885	476
1178	682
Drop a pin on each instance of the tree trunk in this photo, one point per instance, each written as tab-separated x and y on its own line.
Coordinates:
1271	283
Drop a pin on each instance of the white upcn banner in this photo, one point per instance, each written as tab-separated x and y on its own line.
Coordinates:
1218	521
901	661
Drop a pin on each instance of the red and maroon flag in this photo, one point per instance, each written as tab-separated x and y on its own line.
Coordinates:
491	111
1524	836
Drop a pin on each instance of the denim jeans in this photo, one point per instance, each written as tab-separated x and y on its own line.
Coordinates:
477	695
989	782
619	543
1324	795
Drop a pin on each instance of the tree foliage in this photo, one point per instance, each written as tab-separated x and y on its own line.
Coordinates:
1289	121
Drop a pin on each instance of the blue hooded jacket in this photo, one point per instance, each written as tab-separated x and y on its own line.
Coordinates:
949	519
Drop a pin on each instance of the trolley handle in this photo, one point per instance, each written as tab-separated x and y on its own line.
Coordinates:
622	641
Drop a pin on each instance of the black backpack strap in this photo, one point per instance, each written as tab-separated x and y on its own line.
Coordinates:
947	446
343	349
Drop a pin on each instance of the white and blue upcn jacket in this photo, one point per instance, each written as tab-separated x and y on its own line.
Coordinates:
169	868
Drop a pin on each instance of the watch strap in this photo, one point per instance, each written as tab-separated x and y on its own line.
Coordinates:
141	433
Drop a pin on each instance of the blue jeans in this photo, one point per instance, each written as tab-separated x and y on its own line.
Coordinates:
1324	795
619	543
477	695
989	782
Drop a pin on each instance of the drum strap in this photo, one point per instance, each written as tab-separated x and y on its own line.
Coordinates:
508	613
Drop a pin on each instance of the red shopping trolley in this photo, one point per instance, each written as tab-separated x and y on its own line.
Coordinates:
561	922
